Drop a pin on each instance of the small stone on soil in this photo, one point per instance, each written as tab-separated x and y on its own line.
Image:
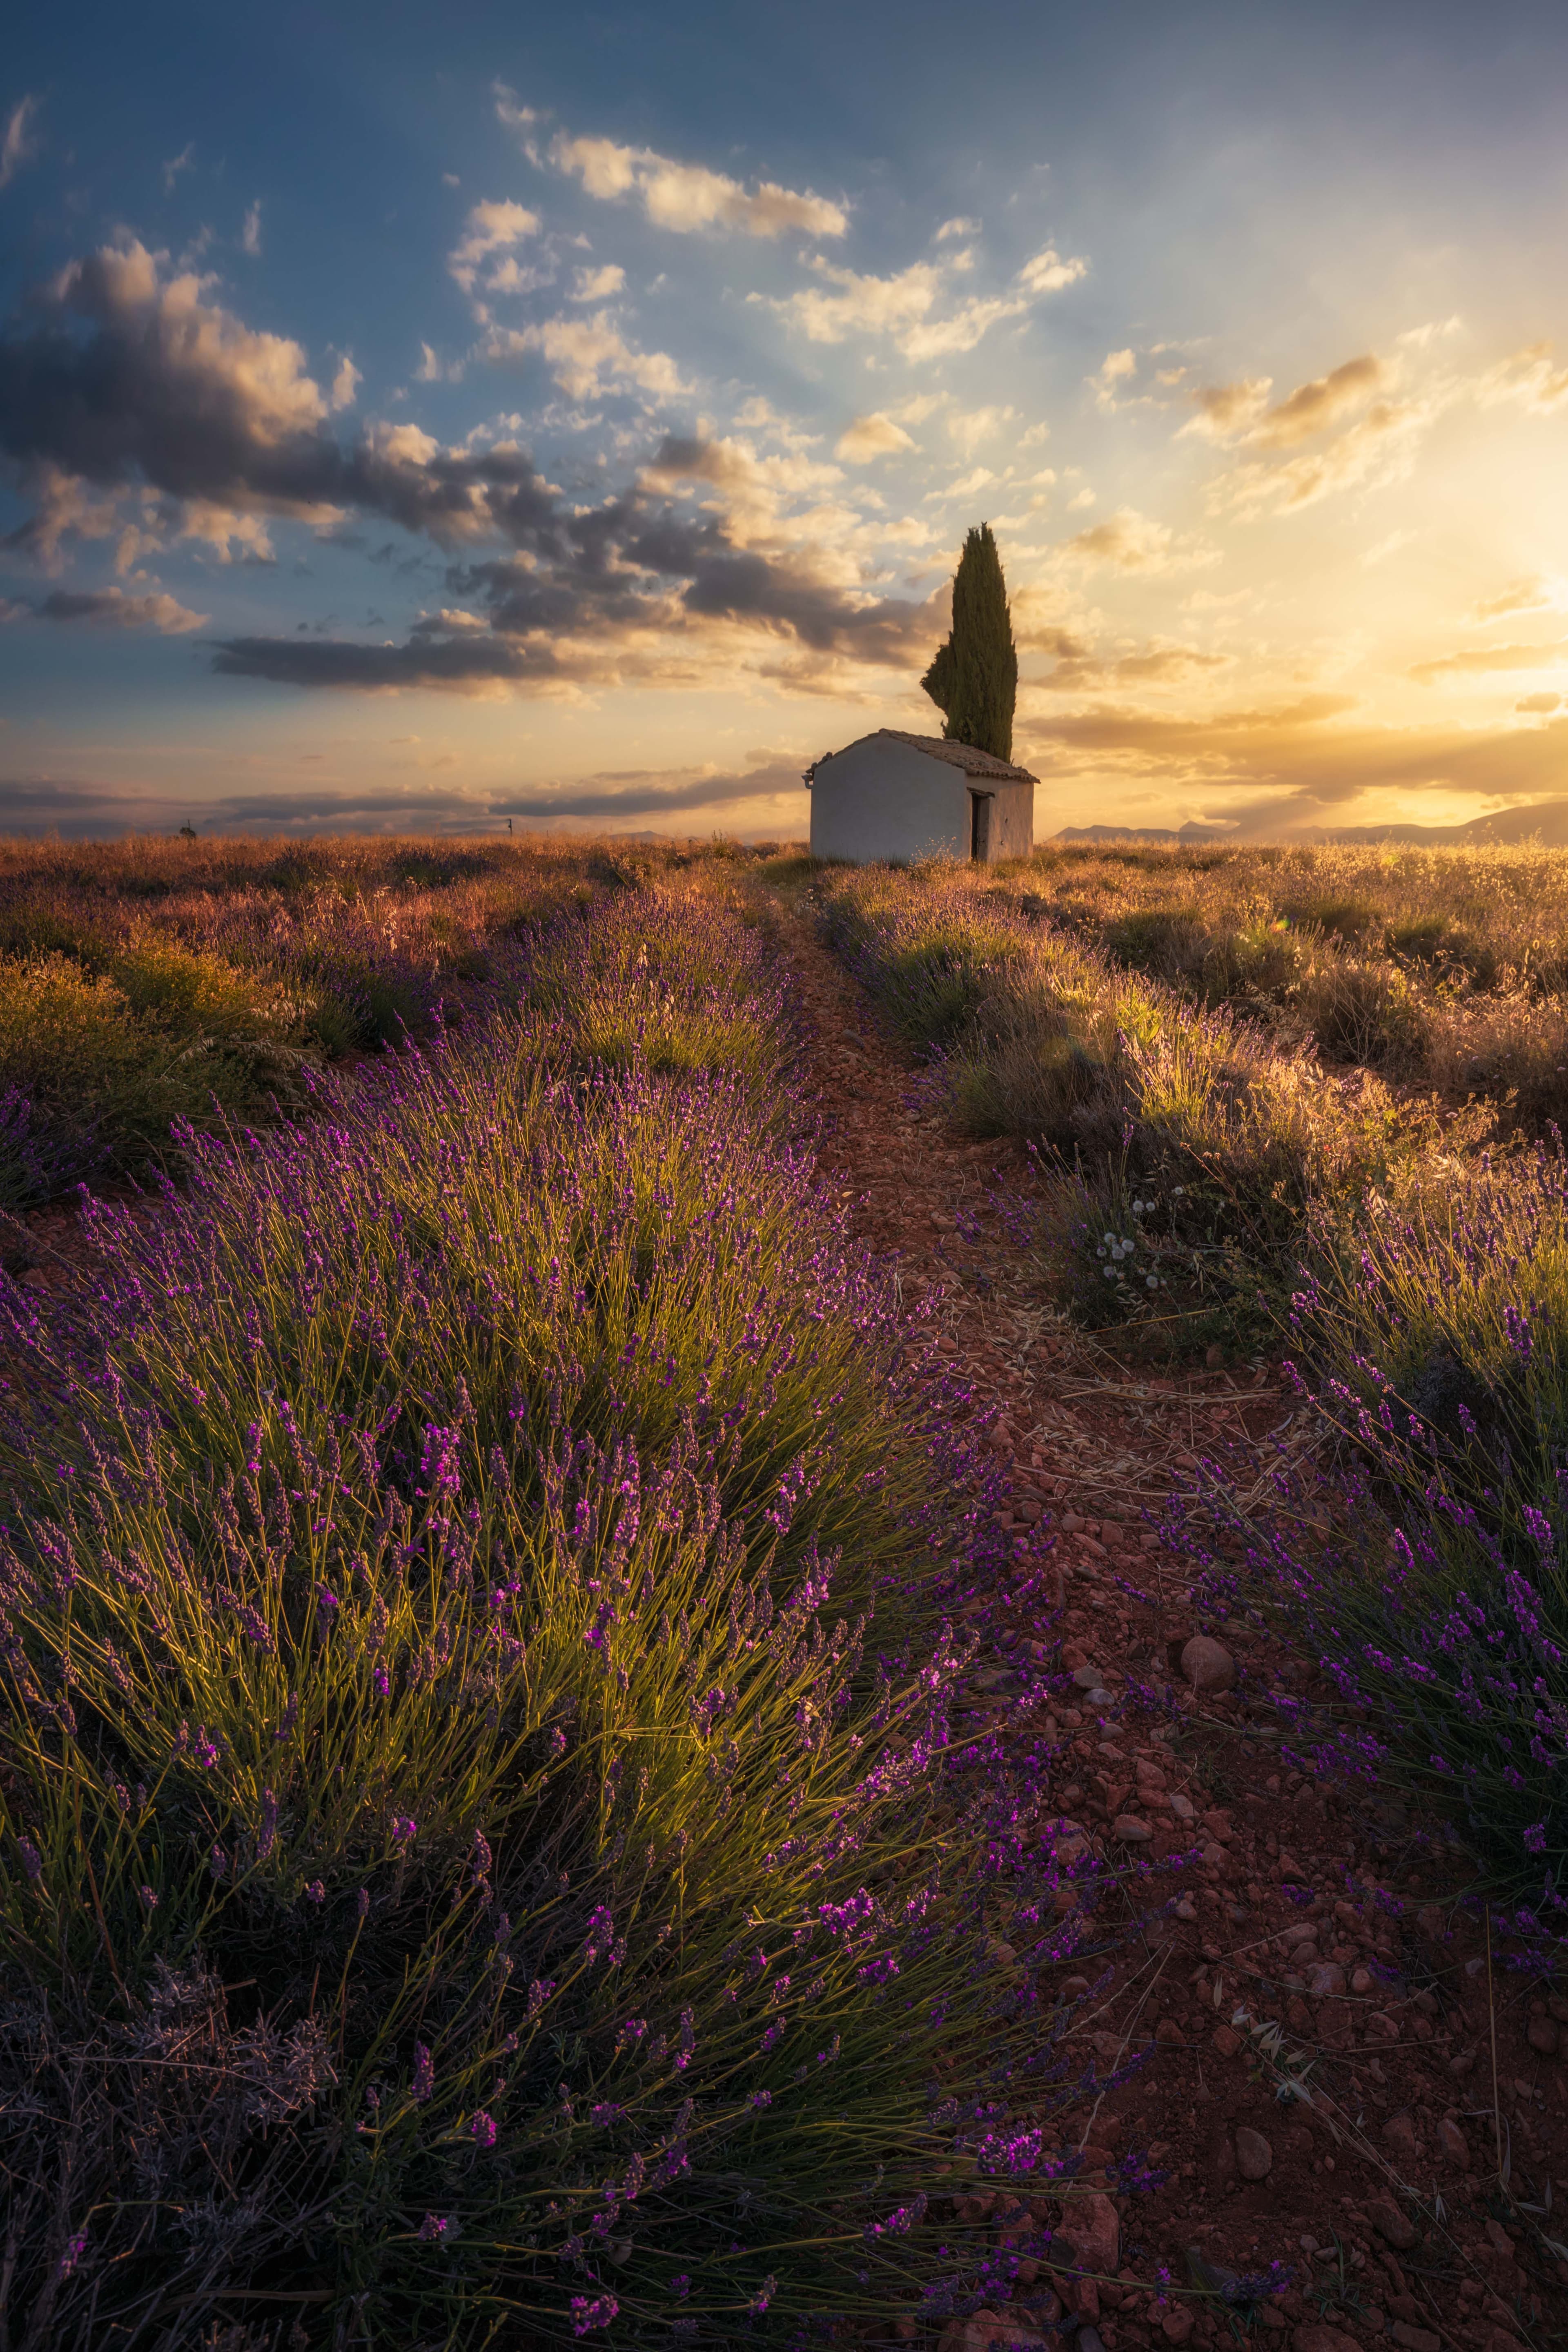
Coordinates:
1208	1664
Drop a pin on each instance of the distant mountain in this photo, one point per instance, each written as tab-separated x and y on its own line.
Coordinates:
1549	819
1545	819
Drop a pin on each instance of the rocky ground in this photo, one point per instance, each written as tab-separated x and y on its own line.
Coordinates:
1316	1939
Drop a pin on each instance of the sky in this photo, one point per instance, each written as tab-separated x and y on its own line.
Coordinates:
413	420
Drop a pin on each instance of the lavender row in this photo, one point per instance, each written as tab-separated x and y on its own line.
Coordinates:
491	1832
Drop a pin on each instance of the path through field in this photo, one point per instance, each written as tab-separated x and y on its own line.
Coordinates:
1387	2000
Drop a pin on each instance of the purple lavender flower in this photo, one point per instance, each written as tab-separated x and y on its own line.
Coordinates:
480	2128
588	2315
424	2081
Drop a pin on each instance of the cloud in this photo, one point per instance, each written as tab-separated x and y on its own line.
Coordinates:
1378	449
1313	406
631	591
183	162
508	110
133	401
112	608
1116	370
1528	380
164	386
937	339
969	430
1537	703
1158	665
433	370
1226	410
598	284
490	228
919	406
123	382
966	485
652	793
81	810
1532	594
1164	665
688	197
19	142
588	357
1478	659
345	384
1131	542
1047	273
871	436
900	305
959	227
1297	759
862	305
250	233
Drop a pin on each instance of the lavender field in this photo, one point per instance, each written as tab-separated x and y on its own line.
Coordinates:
486	1838
498	1843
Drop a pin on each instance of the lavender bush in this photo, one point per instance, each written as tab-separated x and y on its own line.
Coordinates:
485	1838
1130	1094
1429	1574
145	983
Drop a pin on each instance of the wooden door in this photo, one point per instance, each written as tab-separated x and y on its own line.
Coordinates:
980	827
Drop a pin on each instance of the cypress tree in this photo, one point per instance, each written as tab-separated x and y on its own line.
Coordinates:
974	680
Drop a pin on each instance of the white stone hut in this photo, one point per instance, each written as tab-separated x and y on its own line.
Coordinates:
891	797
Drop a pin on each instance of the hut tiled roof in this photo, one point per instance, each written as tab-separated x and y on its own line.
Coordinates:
983	764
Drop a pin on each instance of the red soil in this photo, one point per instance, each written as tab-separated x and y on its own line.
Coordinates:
1402	2111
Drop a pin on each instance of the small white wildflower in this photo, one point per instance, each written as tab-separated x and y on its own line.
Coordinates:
1108	1239
1177	1190
1111	1274
1152	1281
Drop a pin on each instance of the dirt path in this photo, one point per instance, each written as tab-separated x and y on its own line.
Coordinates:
1301	1911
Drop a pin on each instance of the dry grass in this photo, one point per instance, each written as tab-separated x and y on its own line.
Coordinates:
1441	969
1187	1144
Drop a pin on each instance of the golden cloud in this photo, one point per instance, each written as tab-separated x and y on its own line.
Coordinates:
1131	542
871	436
688	197
1480	658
